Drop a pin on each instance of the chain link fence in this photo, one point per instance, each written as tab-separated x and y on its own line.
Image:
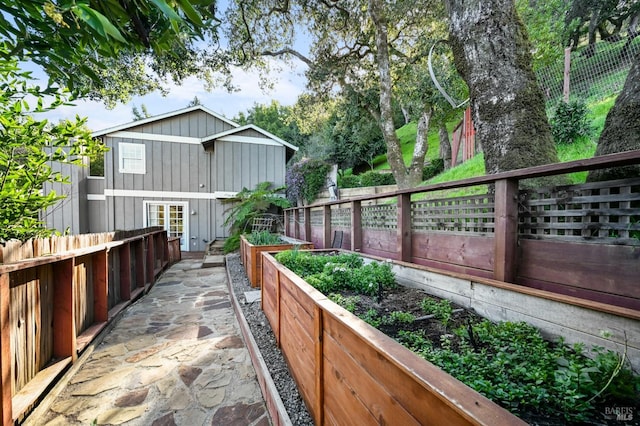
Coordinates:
596	71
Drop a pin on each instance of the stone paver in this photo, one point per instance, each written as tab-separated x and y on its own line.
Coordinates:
176	357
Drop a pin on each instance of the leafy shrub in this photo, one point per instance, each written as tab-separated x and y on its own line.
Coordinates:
372	178
570	122
331	273
512	364
306	179
434	168
349	181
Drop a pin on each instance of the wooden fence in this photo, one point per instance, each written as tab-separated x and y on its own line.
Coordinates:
57	294
576	240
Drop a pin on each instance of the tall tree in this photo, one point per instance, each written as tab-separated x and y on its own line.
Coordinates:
622	127
356	44
492	54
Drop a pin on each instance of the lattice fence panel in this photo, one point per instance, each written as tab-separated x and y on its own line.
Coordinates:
382	216
316	218
599	212
469	215
341	218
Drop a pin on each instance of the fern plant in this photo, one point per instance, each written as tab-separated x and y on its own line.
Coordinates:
248	204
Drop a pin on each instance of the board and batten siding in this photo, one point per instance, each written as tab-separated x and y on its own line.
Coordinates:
197	124
243	165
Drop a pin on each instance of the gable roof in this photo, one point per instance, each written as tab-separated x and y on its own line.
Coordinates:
228	134
162	117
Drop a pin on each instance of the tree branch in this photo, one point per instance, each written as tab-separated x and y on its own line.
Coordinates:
288	51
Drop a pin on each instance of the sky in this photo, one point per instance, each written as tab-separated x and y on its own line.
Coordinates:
288	85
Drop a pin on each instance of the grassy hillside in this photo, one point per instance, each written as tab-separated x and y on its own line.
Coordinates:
584	148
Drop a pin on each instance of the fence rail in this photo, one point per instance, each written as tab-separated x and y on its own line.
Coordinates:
579	240
57	295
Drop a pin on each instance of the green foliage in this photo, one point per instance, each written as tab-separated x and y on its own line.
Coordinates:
570	122
372	318
275	119
249	204
28	150
434	168
441	309
71	39
347	302
264	238
348	181
371	178
513	365
332	273
398	317
306	179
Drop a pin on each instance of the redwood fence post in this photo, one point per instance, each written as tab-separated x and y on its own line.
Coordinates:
100	286
506	230
326	226
287	231
125	272
296	223
5	351
64	323
140	263
404	227
307	223
150	264
318	323
356	226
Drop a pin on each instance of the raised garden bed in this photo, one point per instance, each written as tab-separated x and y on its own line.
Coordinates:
344	368
251	254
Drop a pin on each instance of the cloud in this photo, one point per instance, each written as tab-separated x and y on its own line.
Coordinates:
288	84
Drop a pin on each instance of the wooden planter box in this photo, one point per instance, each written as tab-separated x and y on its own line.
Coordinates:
251	255
350	373
346	369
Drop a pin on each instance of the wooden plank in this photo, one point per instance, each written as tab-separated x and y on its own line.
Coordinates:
326	227
472	252
506	231
100	287
6	412
381	243
604	268
30	394
358	391
356	226
307	223
125	272
64	327
318	363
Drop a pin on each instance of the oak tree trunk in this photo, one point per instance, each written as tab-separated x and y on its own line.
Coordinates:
492	53
445	145
622	127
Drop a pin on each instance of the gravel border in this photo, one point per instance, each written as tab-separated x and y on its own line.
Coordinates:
264	338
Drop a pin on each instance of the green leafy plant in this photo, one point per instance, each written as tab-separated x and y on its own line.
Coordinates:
398	317
264	238
339	272
247	205
441	309
512	364
28	150
306	179
570	122
347	302
372	318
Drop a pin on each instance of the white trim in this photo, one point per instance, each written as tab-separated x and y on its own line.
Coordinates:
96	177
142	160
185	216
96	197
249	139
247	127
161	117
169	194
155	137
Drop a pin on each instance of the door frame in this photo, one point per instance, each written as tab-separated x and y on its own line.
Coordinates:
184	243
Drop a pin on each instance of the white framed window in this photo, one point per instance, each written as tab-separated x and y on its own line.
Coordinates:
132	158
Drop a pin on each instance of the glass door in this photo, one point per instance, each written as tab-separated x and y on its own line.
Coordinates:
170	216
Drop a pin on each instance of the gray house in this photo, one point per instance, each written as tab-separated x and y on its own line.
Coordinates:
171	170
